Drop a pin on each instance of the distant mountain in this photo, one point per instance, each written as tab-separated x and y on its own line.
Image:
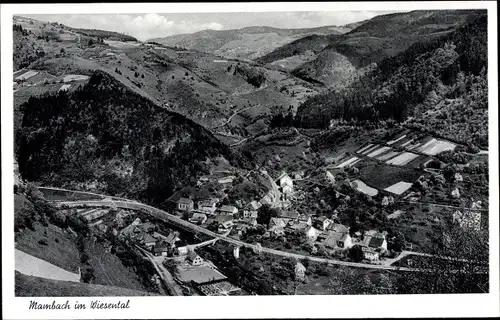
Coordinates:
247	43
370	42
438	86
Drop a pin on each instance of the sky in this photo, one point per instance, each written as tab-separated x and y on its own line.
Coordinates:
154	25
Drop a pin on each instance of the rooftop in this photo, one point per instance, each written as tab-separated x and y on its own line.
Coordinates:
227	208
184	200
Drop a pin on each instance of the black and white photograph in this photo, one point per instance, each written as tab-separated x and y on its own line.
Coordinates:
247	153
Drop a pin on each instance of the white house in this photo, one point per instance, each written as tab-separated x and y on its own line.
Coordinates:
228	210
198	217
285	183
185	204
370	253
207	205
312	233
226	180
194	259
322	223
251	209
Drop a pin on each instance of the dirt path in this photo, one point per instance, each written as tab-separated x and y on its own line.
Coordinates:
33	266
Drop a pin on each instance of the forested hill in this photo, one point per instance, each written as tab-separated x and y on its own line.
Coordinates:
106	138
438	86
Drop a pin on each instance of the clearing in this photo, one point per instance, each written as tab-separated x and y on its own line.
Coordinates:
363	187
399	188
32	266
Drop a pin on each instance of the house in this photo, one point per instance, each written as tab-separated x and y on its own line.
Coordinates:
224	222
148	240
194	259
378	241
277	231
304	218
182	250
301	226
370	253
311	233
277	222
322	223
198	217
185	204
284	181
251	209
226	180
228	210
338	240
290	216
250	221
161	249
337	227
171	239
207	205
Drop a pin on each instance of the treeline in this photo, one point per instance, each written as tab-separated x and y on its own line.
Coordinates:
107	138
401	85
94	33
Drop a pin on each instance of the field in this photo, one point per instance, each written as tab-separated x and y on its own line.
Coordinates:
399	188
362	187
62	195
60	250
27	286
434	147
29	265
402	159
381	176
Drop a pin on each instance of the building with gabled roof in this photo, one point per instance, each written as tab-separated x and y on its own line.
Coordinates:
227	210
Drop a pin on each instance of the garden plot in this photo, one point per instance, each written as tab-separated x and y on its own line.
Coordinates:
25	76
402	159
347	162
388	155
366	151
378	152
396	140
434	147
74	77
366	189
365	148
399	188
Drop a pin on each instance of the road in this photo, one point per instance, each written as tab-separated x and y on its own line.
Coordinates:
160	214
173	288
440	205
231	117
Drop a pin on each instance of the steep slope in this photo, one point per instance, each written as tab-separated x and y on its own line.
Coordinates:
370	42
417	84
246	43
107	138
27	286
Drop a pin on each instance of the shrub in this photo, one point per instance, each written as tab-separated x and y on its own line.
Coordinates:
43	242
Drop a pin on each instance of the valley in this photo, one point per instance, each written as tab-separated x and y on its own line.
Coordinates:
331	160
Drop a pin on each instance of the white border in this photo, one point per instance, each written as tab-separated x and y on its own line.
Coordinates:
465	305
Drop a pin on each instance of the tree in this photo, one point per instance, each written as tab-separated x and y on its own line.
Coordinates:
459	264
356	253
265	213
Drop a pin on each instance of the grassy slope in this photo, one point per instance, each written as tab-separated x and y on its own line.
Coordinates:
62	252
27	286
